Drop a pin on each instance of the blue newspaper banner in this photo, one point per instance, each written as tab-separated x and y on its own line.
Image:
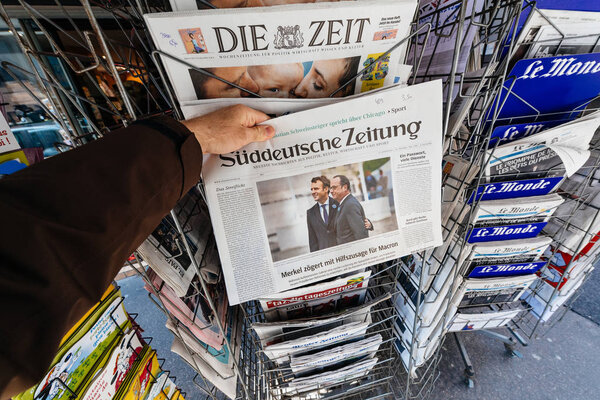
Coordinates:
515	189
507	133
550	85
505	232
490	271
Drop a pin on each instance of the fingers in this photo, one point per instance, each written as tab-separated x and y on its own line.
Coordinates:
249	116
260	133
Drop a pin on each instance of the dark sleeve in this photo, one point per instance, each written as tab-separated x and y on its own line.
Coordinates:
68	225
312	239
356	221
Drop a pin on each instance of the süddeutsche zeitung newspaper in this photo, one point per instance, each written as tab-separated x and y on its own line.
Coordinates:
337	189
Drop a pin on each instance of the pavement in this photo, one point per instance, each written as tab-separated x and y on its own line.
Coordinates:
563	364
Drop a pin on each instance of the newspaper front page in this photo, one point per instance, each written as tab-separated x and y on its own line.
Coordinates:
381	155
299	50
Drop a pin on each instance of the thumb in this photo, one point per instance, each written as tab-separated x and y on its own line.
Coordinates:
260	133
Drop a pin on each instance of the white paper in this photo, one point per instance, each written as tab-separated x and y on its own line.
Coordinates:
275	41
254	199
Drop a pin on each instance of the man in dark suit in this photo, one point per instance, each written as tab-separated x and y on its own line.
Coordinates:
320	218
350	218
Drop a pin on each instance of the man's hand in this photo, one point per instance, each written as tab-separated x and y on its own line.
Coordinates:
229	129
368	224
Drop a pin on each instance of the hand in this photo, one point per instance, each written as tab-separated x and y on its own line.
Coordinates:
229	129
368	225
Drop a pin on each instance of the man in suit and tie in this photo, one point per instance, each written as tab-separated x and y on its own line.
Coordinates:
320	218
350	218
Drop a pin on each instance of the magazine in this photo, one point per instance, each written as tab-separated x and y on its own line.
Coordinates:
84	351
317	300
283	51
108	379
193	311
8	141
140	378
163	389
228	386
268	187
221	361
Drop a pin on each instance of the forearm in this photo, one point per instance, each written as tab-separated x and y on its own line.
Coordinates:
69	224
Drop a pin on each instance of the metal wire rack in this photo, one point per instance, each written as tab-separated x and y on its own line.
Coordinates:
116	77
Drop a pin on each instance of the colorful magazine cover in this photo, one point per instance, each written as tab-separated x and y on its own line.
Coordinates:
81	354
115	369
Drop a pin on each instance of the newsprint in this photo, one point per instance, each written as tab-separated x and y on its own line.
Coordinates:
297	50
337	189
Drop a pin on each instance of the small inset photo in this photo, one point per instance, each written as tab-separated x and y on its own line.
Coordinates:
193	40
327	207
386	34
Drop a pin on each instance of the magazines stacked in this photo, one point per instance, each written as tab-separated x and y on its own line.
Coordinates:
174	279
576	230
104	357
319	337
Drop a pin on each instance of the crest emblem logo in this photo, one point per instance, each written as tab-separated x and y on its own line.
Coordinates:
288	37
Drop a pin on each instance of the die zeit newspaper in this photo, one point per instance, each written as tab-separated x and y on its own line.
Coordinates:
297	50
337	189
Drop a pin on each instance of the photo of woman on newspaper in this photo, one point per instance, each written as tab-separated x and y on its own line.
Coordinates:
325	208
315	79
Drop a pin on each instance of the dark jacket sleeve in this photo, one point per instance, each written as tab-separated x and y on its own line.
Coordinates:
68	225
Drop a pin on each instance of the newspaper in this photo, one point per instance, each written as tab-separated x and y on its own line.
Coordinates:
166	253
546	17
531	209
545	301
275	332
512	251
325	359
438	52
221	361
512	219
325	379
474	319
260	204
567	144
227	385
281	352
275	107
457	175
493	290
317	300
192	310
571	39
283	51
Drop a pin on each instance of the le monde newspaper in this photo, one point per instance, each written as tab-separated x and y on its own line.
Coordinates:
337	189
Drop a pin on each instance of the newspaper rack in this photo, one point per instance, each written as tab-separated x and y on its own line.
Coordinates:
409	356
